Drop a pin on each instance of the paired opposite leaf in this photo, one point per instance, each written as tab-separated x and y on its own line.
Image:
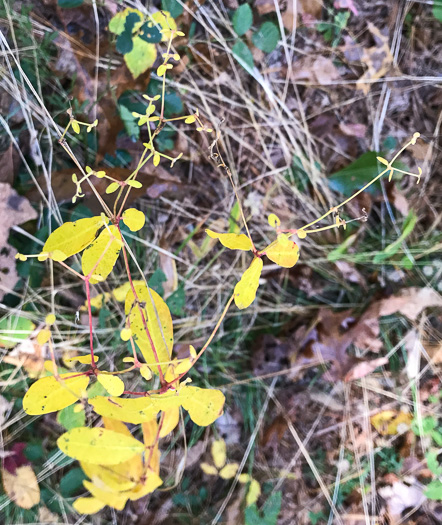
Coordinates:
112	384
158	321
49	395
99	446
245	289
104	251
283	252
72	237
233	241
133	411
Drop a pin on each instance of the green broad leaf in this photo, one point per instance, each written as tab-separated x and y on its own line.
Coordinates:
426	425
141	58
131	20
175	8
242	19
150	33
69	417
268	515
69	4
173	104
267	37
243	55
72	482
357	174
124	43
130	123
433	463
156	281
177	301
14	330
235	219
434	490
437	10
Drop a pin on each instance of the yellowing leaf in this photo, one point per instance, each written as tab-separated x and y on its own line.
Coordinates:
43	336
210	470
112	384
146	372
115	477
167	23
388	421
219	453
152	482
170	421
274	220
253	493
141	58
204	405
104	251
114	500
73	237
99	445
87	505
21	486
134	219
158	321
83	359
116	24
150	431
50	319
229	471
233	241
133	411
283	252
126	334
49	395
245	289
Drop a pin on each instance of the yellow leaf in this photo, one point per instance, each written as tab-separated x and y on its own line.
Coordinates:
73	237
156	157
83	359
116	478
114	500
219	453
87	505
116	23
146	372
167	23
141	58
134	219
126	334
150	431
133	411
233	241
253	493
204	405
21	486
170	421
388	421
75	126
283	252
245	289
104	250
112	384
244	478
43	336
210	470
99	445
49	395
274	220
50	319
229	471
152	482
154	309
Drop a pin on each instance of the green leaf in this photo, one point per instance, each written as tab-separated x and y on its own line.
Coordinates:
356	175
72	482
69	4
437	10
393	248
14	329
433	463
434	490
175	8
124	43
267	37
141	58
427	424
150	33
243	55
242	19
269	514
70	417
130	122
155	282
176	302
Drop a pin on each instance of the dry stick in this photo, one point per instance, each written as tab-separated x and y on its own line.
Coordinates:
146	329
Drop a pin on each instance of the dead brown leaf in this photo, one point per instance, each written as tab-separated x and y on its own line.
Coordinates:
378	59
14	210
317	70
21	486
